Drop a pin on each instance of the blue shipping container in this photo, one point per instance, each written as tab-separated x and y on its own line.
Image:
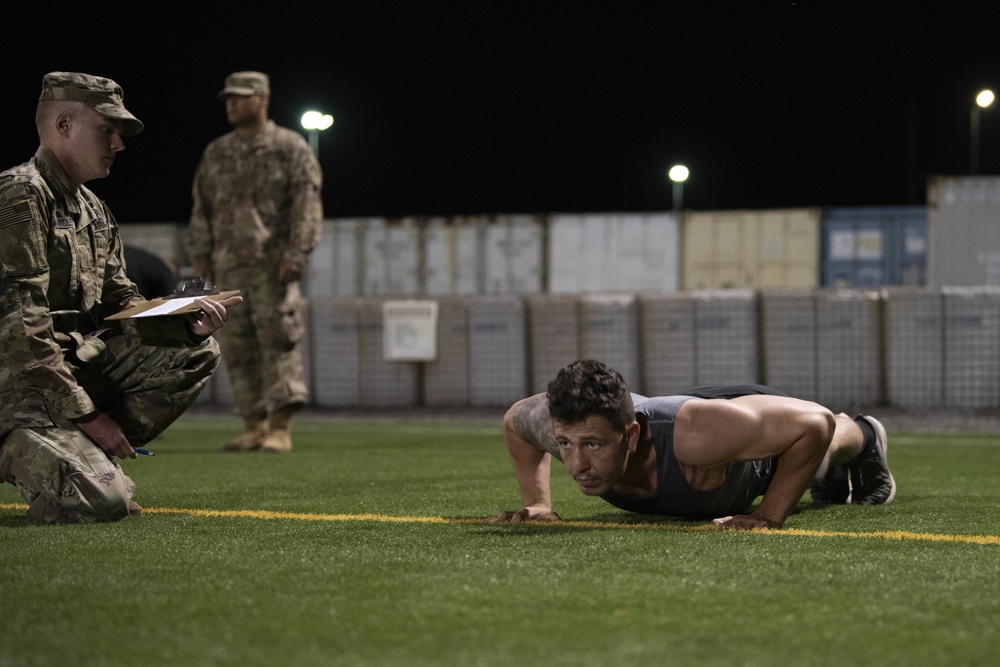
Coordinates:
874	246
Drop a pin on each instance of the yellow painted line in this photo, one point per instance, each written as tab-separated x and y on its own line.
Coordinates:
899	535
297	516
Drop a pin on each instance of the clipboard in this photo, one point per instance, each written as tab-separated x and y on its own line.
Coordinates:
172	305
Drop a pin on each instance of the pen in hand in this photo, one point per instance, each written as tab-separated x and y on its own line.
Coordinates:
144	452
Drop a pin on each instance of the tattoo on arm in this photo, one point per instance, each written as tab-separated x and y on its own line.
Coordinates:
533	424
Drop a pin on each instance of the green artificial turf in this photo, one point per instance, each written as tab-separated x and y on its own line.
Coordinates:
381	557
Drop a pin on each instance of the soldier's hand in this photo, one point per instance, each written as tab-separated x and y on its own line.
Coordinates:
106	434
289	271
212	315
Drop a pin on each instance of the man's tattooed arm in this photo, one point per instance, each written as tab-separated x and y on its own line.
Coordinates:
532	423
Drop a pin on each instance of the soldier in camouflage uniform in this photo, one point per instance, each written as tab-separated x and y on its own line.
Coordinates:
69	402
257	215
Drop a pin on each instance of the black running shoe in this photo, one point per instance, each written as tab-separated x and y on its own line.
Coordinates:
833	488
871	481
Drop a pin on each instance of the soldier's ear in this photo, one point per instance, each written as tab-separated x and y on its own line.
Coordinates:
63	122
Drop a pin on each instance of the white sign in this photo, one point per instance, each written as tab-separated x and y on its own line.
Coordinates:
409	331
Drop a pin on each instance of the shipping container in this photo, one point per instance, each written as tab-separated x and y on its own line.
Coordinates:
452	262
963	231
867	247
750	249
512	255
349	256
318	279
613	252
391	256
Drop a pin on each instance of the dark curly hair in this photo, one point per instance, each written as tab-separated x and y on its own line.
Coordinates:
589	387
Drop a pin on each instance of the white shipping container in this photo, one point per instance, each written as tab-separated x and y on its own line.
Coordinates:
452	255
513	255
963	230
318	279
348	256
391	256
613	252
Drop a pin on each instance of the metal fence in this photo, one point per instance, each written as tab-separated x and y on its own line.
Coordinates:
910	348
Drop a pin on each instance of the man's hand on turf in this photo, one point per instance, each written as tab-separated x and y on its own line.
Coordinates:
526	514
745	522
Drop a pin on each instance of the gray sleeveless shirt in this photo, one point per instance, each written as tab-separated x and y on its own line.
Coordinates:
745	480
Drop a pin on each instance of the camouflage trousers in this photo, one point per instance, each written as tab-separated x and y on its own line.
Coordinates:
261	343
62	475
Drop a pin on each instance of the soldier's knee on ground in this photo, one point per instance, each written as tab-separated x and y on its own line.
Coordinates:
86	498
64	477
82	500
104	497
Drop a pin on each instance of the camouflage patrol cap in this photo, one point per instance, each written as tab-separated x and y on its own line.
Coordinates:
246	83
99	93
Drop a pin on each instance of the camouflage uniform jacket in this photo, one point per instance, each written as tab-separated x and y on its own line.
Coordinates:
60	255
256	198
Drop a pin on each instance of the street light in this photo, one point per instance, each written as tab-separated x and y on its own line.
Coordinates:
678	174
983	100
314	121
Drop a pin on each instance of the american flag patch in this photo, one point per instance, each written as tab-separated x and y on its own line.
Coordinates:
15	214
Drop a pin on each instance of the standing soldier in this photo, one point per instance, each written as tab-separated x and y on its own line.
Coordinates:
257	215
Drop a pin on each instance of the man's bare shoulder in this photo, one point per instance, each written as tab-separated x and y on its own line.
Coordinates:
529	418
711	432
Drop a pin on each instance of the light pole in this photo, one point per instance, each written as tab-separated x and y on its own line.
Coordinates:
314	121
983	100
678	174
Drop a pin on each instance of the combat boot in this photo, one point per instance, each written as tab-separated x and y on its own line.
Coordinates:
279	436
255	429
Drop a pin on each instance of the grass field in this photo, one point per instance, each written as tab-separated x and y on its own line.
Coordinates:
367	546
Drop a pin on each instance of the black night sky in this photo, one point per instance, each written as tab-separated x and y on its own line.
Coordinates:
478	107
